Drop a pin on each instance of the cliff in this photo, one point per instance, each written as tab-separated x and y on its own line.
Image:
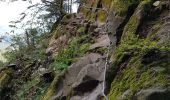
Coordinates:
115	49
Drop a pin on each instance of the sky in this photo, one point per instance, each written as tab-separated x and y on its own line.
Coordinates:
10	12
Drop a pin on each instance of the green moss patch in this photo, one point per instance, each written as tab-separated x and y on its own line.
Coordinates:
85	11
33	88
81	30
135	75
4	77
134	78
121	6
135	20
76	48
52	88
101	15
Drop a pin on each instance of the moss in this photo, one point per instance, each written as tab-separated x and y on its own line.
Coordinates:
69	54
88	15
60	30
133	44
101	15
57	33
53	86
106	3
134	78
83	48
81	30
5	77
155	29
121	6
23	92
134	22
50	90
100	50
93	17
131	27
85	12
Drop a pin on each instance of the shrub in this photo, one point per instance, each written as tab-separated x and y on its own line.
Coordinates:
66	56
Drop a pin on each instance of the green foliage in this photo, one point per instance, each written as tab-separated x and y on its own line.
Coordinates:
11	55
52	88
39	54
76	48
34	87
133	44
25	88
81	30
122	6
1	64
135	76
20	49
5	77
83	48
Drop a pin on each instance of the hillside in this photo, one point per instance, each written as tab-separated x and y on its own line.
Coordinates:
110	49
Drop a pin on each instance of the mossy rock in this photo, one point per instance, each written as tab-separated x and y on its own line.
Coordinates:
101	16
121	6
93	16
60	31
106	3
53	86
134	78
135	20
5	76
81	30
51	90
85	11
88	15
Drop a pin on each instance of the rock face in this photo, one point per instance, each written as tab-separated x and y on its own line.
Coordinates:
129	37
154	94
82	79
140	74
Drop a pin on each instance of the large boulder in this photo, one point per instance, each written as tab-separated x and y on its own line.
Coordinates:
89	70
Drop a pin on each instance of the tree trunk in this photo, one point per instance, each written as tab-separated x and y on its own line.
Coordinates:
27	38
